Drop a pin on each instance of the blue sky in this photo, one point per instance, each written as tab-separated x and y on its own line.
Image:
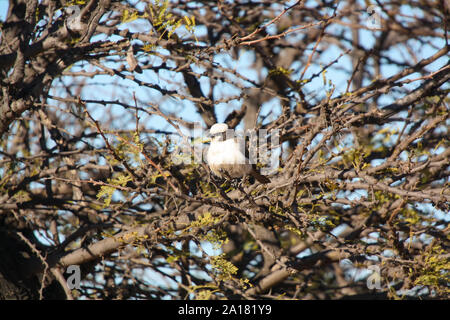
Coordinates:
3	9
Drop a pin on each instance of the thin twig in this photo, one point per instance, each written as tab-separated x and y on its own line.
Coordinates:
258	30
44	261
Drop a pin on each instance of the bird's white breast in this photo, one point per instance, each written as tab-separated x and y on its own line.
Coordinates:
227	156
225	152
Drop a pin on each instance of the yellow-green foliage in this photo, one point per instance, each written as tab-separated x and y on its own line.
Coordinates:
382	197
164	22
22	196
294	230
106	191
215	236
203	295
75	3
279	71
436	270
356	157
204	220
412	217
277	210
132	238
124	149
387	134
203	292
225	269
322	222
128	17
208	191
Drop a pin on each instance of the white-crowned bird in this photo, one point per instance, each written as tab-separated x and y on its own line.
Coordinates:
226	158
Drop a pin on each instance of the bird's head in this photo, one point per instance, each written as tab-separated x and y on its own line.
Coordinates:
218	131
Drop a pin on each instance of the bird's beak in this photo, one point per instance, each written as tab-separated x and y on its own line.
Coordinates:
207	138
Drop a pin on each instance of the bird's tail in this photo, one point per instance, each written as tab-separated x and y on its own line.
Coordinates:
258	176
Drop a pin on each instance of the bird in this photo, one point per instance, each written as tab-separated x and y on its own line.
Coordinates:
226	159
